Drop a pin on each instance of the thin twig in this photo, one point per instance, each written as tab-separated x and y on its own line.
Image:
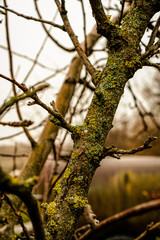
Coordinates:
56	118
115	152
19	217
33	18
84	27
154	33
133	211
21	132
74	39
149	232
152	50
47	32
28	135
23	123
121	14
27	58
13	155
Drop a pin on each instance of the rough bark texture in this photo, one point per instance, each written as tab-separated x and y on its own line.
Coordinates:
39	154
124	59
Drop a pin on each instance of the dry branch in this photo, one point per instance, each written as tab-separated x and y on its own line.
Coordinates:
115	152
23	189
133	211
33	18
24	123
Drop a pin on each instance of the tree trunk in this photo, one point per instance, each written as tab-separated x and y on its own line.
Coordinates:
124	59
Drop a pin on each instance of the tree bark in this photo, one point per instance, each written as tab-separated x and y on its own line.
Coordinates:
39	154
124	59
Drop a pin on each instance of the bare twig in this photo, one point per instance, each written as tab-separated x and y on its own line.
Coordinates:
23	189
152	50
12	155
150	232
121	14
27	58
142	113
21	132
47	32
114	152
133	211
28	135
74	39
33	18
56	118
27	93
23	123
154	33
35	61
84	27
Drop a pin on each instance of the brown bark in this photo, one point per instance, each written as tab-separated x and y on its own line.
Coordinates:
39	154
124	59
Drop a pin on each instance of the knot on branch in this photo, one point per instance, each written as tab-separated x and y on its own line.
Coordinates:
90	216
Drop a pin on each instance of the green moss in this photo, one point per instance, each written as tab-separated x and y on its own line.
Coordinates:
77	202
67	172
51	209
57	188
55	121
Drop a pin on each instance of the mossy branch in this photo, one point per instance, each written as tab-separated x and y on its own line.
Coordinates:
23	189
27	93
116	153
57	118
104	25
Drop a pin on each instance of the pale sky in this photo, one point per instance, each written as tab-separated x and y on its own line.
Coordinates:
26	38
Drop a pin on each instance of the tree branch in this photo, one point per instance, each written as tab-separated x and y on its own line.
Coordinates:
34	19
90	216
60	121
154	33
152	50
48	33
28	135
74	39
20	220
23	189
114	152
24	123
103	22
150	232
130	212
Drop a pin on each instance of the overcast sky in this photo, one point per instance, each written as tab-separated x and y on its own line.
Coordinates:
26	38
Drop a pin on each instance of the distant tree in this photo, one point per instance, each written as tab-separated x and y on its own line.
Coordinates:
124	57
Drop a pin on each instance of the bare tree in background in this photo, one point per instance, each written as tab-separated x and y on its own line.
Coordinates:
125	55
